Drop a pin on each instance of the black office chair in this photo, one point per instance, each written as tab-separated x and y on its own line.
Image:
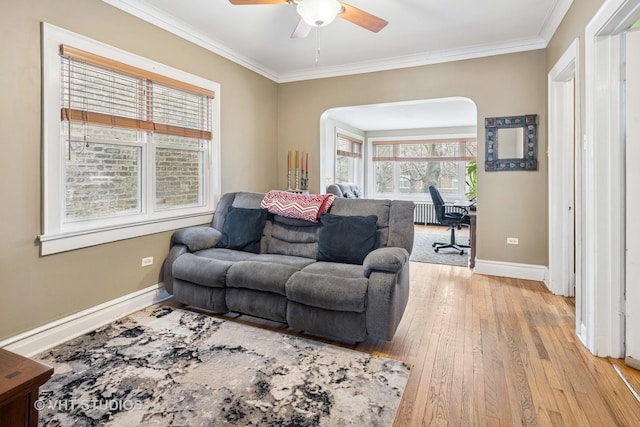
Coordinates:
451	219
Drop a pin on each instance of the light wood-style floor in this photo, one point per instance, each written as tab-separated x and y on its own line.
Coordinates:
490	351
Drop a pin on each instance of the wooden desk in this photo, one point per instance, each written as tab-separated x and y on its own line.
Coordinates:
20	378
470	207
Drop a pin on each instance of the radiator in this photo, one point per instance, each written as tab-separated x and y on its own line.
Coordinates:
424	213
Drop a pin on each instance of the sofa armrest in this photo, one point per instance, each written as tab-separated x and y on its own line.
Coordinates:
196	238
390	260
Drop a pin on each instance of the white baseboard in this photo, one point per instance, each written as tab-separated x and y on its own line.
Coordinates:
632	363
44	337
510	269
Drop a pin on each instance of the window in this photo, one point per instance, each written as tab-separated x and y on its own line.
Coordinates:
405	168
130	145
348	159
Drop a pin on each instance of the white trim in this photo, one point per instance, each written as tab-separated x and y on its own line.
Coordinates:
418	60
165	21
604	180
168	23
356	166
58	236
563	87
52	244
44	337
511	269
554	19
632	363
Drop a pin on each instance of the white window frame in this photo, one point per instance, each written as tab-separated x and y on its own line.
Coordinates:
58	237
356	166
396	194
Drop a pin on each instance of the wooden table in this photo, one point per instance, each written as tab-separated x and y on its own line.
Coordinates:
20	379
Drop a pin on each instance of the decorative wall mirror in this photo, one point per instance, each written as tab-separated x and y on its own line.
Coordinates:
511	143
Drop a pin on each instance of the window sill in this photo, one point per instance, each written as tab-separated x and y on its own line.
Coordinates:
52	244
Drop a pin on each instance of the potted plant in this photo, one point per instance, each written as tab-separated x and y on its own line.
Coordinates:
471	180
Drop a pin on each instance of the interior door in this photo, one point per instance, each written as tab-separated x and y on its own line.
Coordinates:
632	282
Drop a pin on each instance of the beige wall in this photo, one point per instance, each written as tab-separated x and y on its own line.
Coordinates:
572	27
37	290
510	204
260	122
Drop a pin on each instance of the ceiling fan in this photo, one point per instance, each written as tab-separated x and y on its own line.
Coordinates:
318	13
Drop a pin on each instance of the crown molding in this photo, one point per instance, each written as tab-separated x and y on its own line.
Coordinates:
427	58
553	19
166	22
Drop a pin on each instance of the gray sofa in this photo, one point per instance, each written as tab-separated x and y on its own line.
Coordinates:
285	282
348	190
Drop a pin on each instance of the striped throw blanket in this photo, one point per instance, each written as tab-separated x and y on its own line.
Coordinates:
301	206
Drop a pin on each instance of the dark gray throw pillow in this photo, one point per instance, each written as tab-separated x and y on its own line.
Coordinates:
346	239
242	229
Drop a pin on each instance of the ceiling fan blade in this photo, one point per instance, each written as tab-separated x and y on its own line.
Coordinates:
362	18
302	30
244	2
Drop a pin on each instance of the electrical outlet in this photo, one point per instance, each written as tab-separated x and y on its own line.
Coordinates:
147	261
512	240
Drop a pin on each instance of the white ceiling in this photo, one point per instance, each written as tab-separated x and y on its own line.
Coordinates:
420	32
433	113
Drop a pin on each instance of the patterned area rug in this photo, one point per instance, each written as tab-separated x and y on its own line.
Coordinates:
163	366
423	250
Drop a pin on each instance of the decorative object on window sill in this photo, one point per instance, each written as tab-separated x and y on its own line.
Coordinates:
301	172
511	143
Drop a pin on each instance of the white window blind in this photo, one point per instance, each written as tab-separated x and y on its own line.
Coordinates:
105	92
348	146
428	150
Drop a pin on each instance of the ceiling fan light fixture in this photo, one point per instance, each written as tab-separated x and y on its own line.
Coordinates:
318	13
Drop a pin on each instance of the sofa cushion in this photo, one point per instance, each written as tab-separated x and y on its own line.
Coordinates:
329	292
346	239
293	237
351	271
293	261
379	208
242	229
223	254
200	270
260	276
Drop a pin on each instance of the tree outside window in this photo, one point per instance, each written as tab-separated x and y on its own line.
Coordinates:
406	168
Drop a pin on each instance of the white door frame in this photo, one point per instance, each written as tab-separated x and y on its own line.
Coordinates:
632	199
604	180
564	161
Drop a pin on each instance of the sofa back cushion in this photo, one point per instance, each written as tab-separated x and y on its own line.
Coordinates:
347	239
288	236
242	229
364	207
293	237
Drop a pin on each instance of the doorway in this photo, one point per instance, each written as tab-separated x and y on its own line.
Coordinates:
398	138
604	180
564	186
632	119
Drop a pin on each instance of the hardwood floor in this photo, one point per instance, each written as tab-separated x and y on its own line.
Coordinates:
490	351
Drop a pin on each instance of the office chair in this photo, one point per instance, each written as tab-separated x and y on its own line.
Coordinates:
451	219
